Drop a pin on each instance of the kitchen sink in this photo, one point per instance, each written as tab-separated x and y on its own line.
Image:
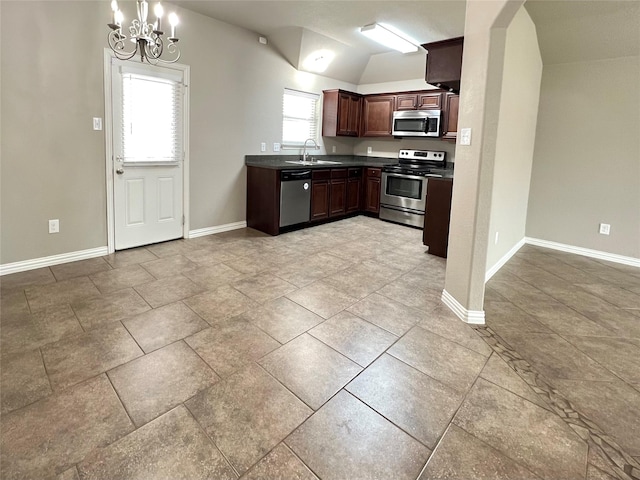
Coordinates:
314	162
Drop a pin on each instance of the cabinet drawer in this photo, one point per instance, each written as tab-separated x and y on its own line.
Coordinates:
374	172
338	173
430	102
324	174
406	102
355	172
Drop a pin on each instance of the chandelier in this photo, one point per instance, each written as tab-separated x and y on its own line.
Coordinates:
146	37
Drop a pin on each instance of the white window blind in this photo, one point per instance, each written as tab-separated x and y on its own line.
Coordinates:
299	117
151	119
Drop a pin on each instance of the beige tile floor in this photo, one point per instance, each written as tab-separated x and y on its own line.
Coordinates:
322	353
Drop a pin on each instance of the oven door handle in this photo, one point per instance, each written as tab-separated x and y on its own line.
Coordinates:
402	209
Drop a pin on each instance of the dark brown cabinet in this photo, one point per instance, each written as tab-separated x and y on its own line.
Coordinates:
338	192
372	190
450	121
437	214
377	115
419	101
320	180
341	113
353	115
263	199
354	190
444	63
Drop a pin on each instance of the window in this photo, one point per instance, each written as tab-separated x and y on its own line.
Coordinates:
299	117
151	119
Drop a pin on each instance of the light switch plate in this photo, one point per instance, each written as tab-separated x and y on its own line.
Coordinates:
465	136
97	123
276	147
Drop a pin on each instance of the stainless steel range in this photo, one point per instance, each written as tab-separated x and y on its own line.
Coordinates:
403	193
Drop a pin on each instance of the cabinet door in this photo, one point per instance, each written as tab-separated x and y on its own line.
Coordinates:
372	195
450	127
430	101
377	115
354	187
355	106
344	106
337	197
437	214
319	200
406	102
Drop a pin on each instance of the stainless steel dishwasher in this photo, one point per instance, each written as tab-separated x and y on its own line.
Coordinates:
295	197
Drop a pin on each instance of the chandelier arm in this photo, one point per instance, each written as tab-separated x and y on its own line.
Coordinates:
116	43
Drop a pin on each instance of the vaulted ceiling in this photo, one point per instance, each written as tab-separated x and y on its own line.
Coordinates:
568	30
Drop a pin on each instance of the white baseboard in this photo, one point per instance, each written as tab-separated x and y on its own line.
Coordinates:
201	232
34	263
587	252
500	263
470	316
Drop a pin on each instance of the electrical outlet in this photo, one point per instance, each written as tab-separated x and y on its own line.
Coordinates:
54	226
263	147
97	123
605	228
496	239
333	149
276	147
369	149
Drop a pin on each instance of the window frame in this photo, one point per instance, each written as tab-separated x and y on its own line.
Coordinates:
316	120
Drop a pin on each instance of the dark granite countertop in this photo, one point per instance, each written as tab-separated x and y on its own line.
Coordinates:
280	162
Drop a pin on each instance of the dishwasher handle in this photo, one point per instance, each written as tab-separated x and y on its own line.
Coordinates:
288	175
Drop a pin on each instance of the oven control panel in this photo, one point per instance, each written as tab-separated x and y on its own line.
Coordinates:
427	155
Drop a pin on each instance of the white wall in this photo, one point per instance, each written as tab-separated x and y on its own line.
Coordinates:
516	136
586	167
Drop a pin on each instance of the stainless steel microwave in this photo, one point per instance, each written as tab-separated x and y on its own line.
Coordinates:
416	123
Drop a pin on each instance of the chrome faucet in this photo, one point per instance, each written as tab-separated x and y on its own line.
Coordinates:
304	149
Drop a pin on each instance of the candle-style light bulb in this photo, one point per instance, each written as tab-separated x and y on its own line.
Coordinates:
159	11
119	18
114	8
173	21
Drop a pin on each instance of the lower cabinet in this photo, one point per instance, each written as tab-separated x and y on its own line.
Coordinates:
335	192
437	214
338	192
320	194
372	190
354	190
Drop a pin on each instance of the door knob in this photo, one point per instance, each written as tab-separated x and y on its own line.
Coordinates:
120	171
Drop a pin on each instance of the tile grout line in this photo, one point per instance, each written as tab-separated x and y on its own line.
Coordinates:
622	464
562	335
201	427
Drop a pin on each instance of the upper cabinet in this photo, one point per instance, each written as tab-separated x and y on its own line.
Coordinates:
450	112
350	114
341	113
377	115
419	101
444	63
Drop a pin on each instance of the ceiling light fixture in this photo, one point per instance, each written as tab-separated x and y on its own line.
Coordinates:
388	38
146	37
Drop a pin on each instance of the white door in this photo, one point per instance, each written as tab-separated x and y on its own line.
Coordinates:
148	153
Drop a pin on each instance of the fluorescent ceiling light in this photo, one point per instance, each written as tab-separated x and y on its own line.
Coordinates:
388	38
